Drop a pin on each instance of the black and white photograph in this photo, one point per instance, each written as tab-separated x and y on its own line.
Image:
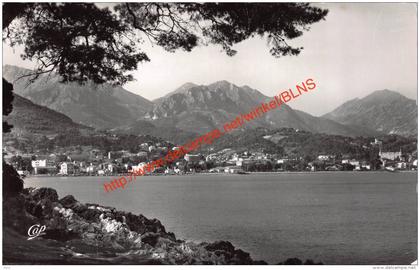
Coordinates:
210	133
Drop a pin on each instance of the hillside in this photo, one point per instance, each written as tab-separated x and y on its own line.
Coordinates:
200	108
167	132
292	143
385	111
37	128
28	118
100	106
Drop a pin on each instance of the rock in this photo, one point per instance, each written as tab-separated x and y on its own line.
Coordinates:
60	235
241	257
91	215
117	247
221	245
171	236
150	238
261	262
15	215
66	212
37	210
137	242
292	261
100	232
311	262
44	193
41	208
154	225
90	228
136	223
79	207
68	201
90	235
111	225
229	253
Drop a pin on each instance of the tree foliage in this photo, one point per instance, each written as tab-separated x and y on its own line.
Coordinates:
82	41
7	103
12	184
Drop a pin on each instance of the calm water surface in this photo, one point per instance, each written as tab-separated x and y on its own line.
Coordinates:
336	218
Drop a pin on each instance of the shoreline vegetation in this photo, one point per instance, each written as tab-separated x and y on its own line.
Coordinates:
86	233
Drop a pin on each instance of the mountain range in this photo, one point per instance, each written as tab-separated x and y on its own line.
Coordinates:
385	111
99	106
202	108
192	109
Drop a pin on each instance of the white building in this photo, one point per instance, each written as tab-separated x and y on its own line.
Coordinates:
281	161
67	168
91	169
144	146
356	164
42	164
138	166
366	167
239	162
324	157
211	157
376	142
233	169
39	163
235	157
390	155
110	167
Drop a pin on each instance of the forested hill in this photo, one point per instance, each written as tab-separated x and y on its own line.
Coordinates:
294	143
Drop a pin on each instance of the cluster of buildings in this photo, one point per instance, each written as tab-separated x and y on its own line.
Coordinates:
96	162
265	162
89	162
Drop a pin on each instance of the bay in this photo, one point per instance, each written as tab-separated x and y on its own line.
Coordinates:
333	217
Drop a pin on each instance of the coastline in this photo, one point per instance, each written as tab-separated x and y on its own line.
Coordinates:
87	233
78	233
222	173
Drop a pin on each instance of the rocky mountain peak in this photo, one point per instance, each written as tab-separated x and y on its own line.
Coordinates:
384	110
223	84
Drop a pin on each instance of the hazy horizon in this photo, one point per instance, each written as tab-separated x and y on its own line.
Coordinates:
360	48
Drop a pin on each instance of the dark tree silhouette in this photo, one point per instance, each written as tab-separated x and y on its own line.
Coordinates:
80	41
181	25
12	184
7	103
83	42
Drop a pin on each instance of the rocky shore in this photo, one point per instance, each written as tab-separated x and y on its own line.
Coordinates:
78	233
89	233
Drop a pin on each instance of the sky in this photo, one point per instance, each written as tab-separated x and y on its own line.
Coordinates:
359	48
